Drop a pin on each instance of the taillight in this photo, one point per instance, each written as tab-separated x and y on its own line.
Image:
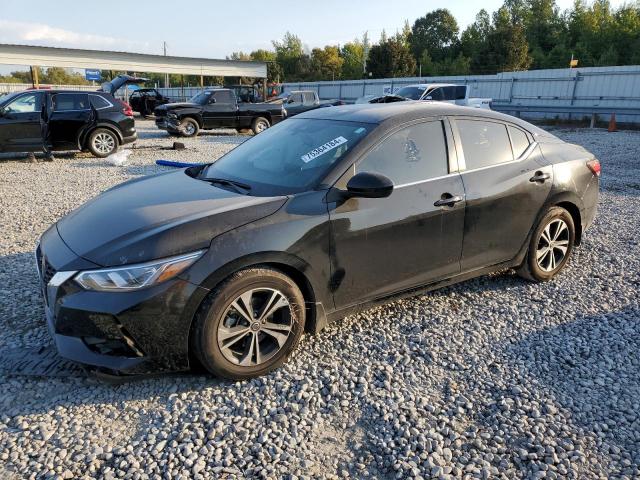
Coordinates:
594	166
126	108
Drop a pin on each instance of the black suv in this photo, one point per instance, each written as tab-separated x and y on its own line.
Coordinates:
46	120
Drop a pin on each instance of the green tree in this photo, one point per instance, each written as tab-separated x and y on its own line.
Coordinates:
291	57
326	63
354	60
391	59
436	32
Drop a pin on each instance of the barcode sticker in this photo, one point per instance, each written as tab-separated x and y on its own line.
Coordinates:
322	149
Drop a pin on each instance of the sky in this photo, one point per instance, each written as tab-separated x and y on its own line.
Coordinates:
214	29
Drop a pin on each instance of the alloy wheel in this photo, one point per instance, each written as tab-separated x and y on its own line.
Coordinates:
552	245
189	129
255	327
104	143
261	127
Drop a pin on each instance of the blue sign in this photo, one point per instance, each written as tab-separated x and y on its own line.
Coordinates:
92	74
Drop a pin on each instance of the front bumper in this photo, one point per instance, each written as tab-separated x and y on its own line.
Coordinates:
130	333
169	124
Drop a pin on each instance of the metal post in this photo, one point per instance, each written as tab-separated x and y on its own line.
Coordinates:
34	76
593	121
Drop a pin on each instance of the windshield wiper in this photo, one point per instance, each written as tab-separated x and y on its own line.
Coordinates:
237	186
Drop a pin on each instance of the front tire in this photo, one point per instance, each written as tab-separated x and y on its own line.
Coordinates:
102	142
189	127
259	125
249	325
550	247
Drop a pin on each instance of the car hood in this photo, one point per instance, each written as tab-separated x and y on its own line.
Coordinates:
175	106
158	216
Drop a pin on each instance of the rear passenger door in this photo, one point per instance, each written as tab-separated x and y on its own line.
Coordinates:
506	182
70	115
385	245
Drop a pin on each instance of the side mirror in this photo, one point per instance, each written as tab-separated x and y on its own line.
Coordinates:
212	100
369	185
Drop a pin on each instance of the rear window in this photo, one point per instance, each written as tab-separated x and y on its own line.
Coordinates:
70	101
99	102
484	143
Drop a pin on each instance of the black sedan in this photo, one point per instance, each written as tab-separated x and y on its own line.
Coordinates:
228	264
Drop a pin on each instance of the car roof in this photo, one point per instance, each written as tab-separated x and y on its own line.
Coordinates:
431	85
406	111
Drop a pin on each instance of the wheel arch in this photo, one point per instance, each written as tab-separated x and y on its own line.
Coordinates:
290	265
571	203
83	138
195	116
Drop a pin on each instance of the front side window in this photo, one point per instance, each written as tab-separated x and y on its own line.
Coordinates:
295	98
223	96
291	157
436	94
413	154
70	101
484	143
25	104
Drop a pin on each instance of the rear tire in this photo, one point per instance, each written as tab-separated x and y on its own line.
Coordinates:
550	246
249	325
259	125
190	127
102	142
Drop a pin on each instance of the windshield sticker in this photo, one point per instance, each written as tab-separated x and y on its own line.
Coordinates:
322	149
360	130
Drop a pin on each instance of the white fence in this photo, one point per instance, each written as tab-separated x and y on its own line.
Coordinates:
18	87
594	89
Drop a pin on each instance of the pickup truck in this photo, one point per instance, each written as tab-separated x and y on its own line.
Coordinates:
216	108
437	92
298	101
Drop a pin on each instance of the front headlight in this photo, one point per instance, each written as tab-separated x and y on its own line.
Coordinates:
133	277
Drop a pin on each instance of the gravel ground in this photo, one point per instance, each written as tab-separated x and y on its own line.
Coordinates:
493	378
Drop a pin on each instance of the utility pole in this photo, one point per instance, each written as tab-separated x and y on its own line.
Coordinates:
166	75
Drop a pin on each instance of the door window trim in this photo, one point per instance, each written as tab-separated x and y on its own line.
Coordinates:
460	151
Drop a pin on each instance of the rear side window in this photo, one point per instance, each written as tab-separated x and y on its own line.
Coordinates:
99	102
436	94
70	101
484	143
223	96
413	154
309	97
519	141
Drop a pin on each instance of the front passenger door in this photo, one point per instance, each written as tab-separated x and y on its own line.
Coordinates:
386	245
20	124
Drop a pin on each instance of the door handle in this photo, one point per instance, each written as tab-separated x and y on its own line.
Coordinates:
540	177
448	200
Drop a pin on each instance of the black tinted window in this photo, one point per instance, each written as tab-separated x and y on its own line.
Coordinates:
449	93
98	102
519	141
414	93
436	94
461	92
224	96
484	143
412	154
70	101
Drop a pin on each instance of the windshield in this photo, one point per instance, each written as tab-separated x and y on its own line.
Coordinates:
6	98
201	98
291	157
414	93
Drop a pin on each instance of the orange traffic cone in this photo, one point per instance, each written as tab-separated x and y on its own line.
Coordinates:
612	123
